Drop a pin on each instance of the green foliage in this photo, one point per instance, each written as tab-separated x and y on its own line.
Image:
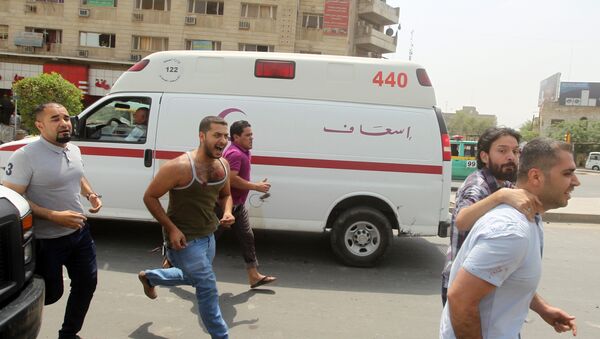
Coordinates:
529	131
469	124
44	88
582	131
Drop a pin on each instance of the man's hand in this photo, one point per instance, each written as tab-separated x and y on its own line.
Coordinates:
70	219
227	220
525	202
559	319
262	186
177	239
96	203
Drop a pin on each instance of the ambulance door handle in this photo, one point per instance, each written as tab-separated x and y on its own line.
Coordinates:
148	158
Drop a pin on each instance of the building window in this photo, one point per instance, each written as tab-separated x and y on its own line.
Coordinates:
202	45
3	32
256	48
157	5
52	1
312	21
51	36
148	43
205	7
90	39
102	3
555	122
310	52
259	11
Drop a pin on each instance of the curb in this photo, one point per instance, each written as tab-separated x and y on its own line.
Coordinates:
572	218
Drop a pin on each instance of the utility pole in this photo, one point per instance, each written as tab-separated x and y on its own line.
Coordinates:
410	50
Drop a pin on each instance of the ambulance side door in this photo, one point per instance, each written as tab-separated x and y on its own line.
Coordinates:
117	137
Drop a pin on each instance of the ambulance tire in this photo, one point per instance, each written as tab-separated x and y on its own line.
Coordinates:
360	236
596	168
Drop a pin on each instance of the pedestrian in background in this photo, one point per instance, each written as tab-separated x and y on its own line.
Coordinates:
239	158
49	173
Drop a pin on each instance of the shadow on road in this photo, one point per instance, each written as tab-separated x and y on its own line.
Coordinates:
299	260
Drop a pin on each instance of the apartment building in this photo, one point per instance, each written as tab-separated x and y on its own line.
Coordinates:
91	42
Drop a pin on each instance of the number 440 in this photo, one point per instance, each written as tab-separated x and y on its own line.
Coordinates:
391	79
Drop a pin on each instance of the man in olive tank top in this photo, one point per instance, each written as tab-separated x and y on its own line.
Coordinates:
195	181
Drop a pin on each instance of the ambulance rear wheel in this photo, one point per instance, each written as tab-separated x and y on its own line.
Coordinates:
596	168
360	236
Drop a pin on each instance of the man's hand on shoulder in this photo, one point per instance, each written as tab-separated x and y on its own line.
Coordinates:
522	200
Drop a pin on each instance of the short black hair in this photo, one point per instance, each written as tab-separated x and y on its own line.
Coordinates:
40	108
209	120
237	128
489	136
541	153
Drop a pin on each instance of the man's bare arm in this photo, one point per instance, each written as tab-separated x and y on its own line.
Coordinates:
464	296
87	191
167	178
555	317
241	184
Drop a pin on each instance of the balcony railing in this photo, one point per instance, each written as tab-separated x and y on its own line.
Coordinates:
378	11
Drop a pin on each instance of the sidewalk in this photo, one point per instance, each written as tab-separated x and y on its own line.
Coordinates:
579	210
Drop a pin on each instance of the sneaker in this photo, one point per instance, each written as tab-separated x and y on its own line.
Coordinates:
149	291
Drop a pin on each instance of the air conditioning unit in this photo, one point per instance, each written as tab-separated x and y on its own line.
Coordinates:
30	8
190	20
138	17
83	53
244	24
135	57
84	12
28	49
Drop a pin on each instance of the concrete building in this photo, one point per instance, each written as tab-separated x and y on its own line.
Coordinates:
91	42
567	101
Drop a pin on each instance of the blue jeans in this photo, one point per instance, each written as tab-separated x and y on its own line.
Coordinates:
77	252
193	266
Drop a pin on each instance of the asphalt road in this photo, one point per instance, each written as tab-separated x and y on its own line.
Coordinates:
315	296
590	184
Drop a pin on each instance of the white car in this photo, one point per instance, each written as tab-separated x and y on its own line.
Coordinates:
593	161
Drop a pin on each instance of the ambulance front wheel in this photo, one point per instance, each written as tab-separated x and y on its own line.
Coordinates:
360	236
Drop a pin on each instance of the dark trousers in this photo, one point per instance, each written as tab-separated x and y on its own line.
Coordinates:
243	232
77	252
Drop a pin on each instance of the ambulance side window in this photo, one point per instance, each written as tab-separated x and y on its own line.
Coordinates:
122	120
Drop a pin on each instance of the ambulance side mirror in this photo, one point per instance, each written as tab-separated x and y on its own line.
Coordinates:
75	125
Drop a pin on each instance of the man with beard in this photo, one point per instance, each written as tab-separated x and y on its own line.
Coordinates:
494	278
49	172
195	181
497	160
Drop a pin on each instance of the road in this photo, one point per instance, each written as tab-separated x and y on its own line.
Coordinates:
316	297
590	184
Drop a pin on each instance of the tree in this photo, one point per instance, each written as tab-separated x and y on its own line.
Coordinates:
529	131
582	131
44	88
467	123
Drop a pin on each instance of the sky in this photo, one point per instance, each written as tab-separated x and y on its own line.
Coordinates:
493	54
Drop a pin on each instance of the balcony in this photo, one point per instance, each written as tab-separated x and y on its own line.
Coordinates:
378	12
99	13
372	40
44	8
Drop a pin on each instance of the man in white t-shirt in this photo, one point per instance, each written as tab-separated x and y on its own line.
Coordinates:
140	119
495	275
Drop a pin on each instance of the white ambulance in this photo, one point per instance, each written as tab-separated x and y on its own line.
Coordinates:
354	146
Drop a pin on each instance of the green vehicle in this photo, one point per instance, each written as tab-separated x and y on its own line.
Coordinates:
464	157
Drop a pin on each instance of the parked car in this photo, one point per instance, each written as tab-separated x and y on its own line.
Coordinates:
21	293
593	161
